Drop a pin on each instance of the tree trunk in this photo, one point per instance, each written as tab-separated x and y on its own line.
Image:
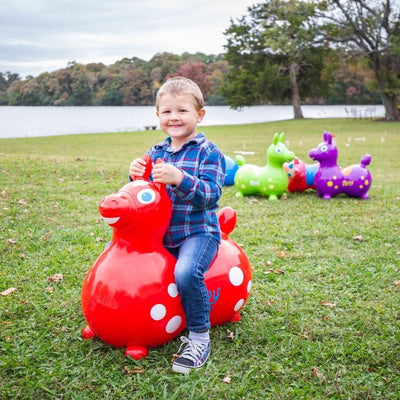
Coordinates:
390	104
388	101
296	101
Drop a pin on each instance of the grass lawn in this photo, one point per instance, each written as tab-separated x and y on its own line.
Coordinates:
328	327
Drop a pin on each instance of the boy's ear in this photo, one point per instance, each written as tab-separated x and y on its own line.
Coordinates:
201	115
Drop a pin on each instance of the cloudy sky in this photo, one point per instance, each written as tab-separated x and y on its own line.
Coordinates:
44	35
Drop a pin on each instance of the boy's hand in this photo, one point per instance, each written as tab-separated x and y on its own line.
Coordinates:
167	174
137	168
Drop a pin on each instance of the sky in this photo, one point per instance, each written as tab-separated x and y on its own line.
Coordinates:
44	35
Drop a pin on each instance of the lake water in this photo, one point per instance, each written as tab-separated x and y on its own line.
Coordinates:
18	122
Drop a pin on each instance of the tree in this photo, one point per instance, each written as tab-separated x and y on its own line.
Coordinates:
197	72
350	79
371	29
6	81
277	36
133	89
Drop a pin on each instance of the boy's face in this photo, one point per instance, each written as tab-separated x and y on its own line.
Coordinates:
179	117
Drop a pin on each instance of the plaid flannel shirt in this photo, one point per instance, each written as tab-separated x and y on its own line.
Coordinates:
195	199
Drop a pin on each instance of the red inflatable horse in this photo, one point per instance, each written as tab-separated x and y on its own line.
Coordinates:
129	296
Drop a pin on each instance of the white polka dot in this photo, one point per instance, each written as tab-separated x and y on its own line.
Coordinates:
173	324
158	312
239	305
236	276
172	290
249	283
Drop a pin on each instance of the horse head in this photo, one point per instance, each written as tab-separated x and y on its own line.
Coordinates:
277	152
141	209
326	152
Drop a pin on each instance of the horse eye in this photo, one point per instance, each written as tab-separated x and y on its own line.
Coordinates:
324	147
146	196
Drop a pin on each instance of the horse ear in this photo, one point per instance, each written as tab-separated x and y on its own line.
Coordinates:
282	137
149	167
159	185
327	137
276	138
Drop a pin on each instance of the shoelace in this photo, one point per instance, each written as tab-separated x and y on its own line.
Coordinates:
192	351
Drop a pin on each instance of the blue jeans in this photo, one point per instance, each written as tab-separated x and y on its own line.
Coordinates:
194	257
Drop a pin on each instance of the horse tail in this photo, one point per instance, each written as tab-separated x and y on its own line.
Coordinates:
240	160
227	220
365	160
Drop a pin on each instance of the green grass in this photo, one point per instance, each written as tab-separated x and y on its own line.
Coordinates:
288	345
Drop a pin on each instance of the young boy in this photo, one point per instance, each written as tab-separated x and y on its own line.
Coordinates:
193	170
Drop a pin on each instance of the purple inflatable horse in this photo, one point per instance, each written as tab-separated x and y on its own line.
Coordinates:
330	180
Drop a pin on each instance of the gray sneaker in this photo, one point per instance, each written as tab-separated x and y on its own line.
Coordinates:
194	356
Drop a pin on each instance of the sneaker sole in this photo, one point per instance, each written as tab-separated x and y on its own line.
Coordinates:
185	370
181	369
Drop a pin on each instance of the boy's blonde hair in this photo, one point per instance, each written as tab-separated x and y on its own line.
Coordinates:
179	85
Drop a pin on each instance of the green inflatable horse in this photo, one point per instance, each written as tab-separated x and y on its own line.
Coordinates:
271	180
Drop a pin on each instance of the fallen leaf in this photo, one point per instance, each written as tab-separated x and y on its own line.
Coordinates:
274	271
8	291
270	302
268	263
359	238
135	370
230	334
4	194
22	202
11	241
396	283
317	373
328	304
174	357
49	289
282	254
56	278
7	338
47	236
227	378
304	335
